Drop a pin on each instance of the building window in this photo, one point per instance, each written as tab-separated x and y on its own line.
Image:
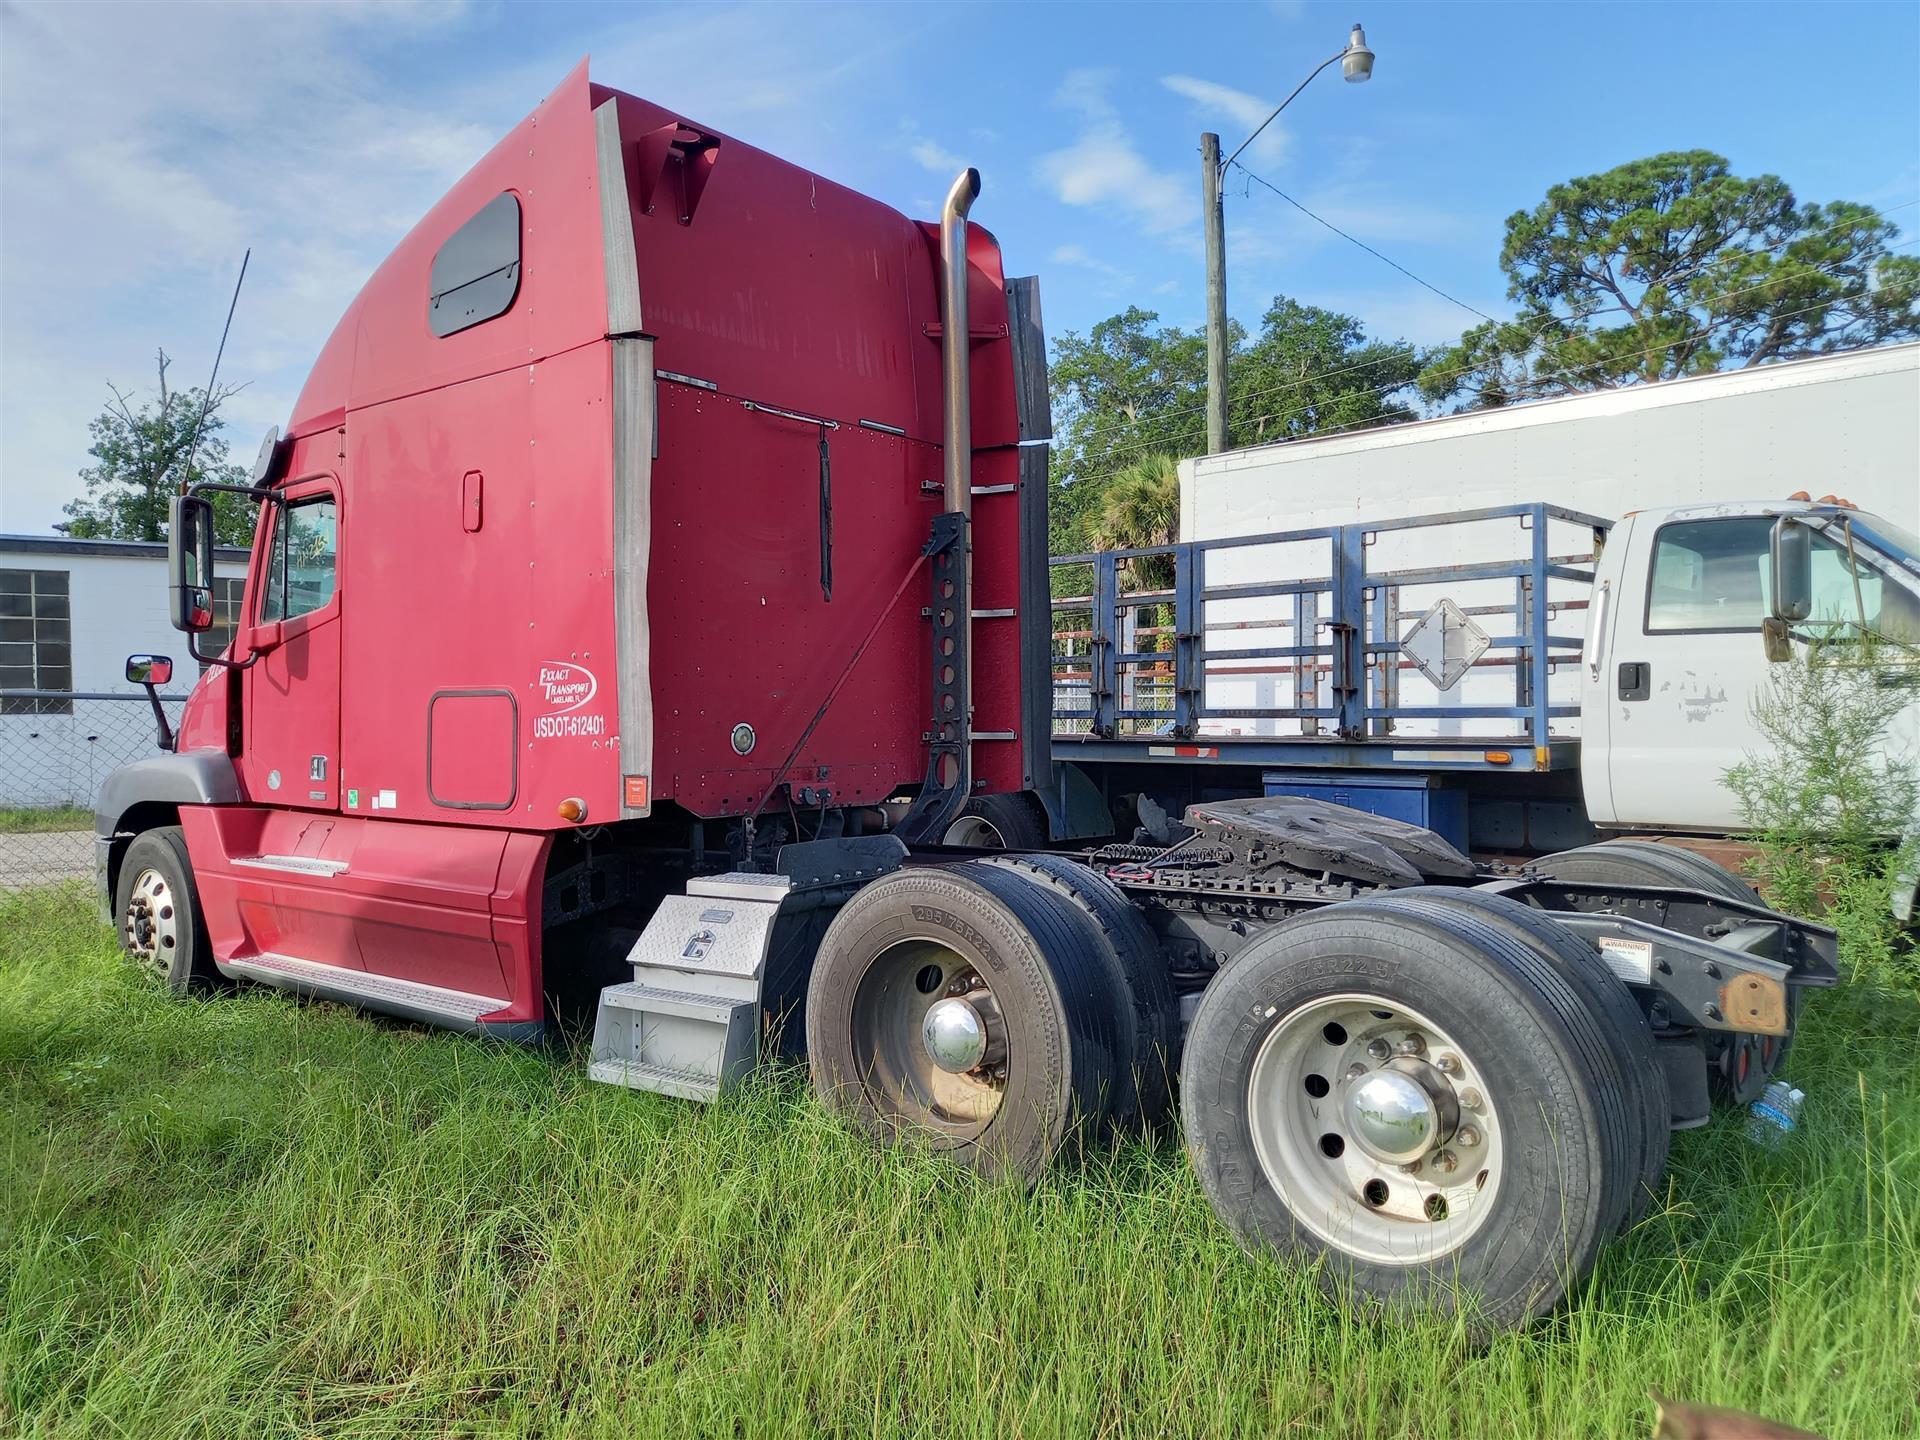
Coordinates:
36	641
226	616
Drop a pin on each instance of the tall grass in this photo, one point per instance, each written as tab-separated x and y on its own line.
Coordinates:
250	1216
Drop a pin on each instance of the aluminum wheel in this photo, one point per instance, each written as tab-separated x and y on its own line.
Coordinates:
1375	1128
976	831
151	928
930	1036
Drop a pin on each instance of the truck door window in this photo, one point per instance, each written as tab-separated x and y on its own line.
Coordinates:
301	560
1708	575
1713	575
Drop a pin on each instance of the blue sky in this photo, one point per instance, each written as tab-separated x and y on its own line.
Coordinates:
143	147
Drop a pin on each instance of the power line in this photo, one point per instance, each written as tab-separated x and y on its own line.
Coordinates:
1551	322
1111	455
1351	240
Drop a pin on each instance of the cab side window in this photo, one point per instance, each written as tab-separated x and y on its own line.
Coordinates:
1714	575
302	559
1709	575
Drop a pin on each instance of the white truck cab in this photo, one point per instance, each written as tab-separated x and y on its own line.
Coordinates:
1691	607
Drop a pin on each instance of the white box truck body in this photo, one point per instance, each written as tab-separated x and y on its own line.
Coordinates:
1846	425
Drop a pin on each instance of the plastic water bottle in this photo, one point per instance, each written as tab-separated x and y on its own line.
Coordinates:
1775	1115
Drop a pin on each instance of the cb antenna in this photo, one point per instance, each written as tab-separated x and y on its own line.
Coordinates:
206	399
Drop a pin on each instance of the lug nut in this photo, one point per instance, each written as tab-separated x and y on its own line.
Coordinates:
1355	1071
1447	1064
1470	1099
1412	1167
1468	1135
1379	1049
1412	1045
1446	1162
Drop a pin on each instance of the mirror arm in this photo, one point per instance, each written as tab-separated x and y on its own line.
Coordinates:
159	712
252	492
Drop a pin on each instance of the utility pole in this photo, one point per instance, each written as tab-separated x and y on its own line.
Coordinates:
1356	64
1216	295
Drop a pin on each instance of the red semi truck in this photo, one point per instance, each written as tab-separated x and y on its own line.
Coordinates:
649	603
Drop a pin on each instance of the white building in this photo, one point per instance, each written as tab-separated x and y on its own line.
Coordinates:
71	611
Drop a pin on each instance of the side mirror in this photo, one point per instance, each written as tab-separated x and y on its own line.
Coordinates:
151	672
1790	551
190	562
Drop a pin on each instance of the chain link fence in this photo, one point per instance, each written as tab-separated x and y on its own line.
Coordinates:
55	749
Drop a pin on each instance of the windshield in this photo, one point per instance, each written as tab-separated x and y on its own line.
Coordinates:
1895	541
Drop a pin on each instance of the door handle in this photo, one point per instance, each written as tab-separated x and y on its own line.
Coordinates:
1599	631
1636	679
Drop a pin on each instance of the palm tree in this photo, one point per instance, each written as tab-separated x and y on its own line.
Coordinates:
1140	508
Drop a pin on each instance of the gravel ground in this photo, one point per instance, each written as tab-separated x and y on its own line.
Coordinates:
45	858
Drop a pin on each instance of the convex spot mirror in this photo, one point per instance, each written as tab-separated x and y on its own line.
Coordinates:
190	563
149	669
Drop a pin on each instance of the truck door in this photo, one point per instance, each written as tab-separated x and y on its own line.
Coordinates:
292	744
1685	663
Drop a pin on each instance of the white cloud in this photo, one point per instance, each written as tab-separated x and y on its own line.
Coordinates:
1104	169
1241	110
930	156
144	147
1077	255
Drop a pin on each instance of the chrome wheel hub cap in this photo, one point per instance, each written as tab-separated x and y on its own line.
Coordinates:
151	927
1377	1130
1391	1116
931	1040
955	1036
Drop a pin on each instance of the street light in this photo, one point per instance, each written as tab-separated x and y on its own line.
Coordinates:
1356	64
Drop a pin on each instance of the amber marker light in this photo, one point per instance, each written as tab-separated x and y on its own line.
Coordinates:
573	810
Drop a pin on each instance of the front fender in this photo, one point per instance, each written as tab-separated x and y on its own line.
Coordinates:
192	777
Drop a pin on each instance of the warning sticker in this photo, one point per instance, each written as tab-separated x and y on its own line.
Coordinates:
1631	960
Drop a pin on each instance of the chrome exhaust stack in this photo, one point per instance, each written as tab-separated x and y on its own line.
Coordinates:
957	437
949	551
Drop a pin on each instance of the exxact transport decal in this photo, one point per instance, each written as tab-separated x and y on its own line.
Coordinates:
565	688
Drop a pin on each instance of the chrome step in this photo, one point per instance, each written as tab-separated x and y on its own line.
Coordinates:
408	998
292	864
661	1079
688	1023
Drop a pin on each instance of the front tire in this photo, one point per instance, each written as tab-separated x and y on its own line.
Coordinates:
1300	1156
157	912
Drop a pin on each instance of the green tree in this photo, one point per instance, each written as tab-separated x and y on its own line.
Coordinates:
141	457
1140	507
1131	388
1832	801
1671	266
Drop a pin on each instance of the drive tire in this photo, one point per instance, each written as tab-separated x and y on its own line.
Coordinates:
998	822
1149	1039
157	915
1565	1156
1738	1066
1042	958
1624	1023
1642	862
